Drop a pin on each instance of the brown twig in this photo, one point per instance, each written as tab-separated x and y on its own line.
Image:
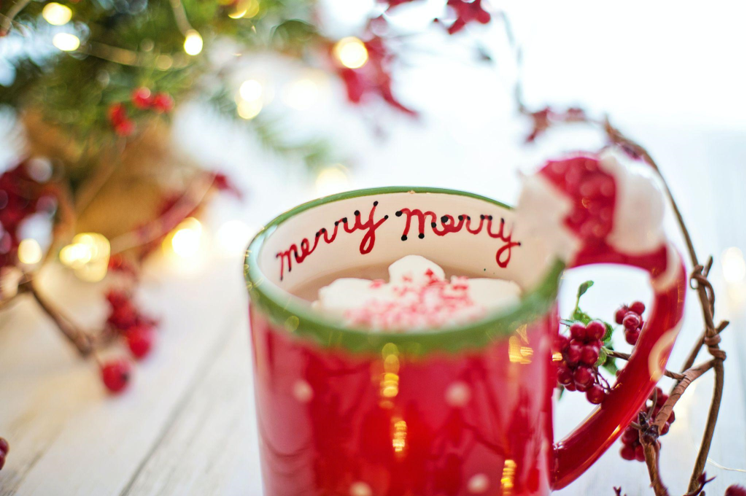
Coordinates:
652	449
688	377
626	356
80	339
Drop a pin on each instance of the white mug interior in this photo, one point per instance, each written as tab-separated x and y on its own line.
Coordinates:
468	233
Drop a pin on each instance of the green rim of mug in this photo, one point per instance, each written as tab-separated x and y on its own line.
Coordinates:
298	319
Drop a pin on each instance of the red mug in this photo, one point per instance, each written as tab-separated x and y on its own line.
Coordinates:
457	411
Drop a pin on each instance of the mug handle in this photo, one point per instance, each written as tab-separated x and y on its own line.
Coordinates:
668	278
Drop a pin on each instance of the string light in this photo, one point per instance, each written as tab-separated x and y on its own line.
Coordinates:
351	52
88	255
332	180
66	42
56	14
192	42
249	109
29	252
184	241
251	90
734	265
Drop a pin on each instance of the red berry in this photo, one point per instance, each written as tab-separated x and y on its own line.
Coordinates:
666	426
630	435
140	340
124	128
638	307
2	461
561	343
142	98
116	374
596	330
619	316
672	417
735	490
589	354
572	354
116	114
564	374
162	102
595	394
639	453
632	337
571	386
4	447
582	376
578	331
631	321
628	453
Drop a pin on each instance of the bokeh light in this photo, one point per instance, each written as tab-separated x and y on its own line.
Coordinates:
56	14
251	90
351	52
734	265
193	43
66	42
29	252
185	239
248	110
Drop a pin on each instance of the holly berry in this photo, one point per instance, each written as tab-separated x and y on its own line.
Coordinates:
619	315
582	376
125	128
116	114
595	394
596	330
4	449
116	374
735	490
578	331
631	318
589	355
639	453
638	307
561	342
140	340
631	321
572	354
564	375
580	354
628	453
632	337
162	102
142	98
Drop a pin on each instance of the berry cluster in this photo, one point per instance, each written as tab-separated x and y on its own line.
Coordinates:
631	447
135	328
631	318
577	371
142	99
22	194
4	449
